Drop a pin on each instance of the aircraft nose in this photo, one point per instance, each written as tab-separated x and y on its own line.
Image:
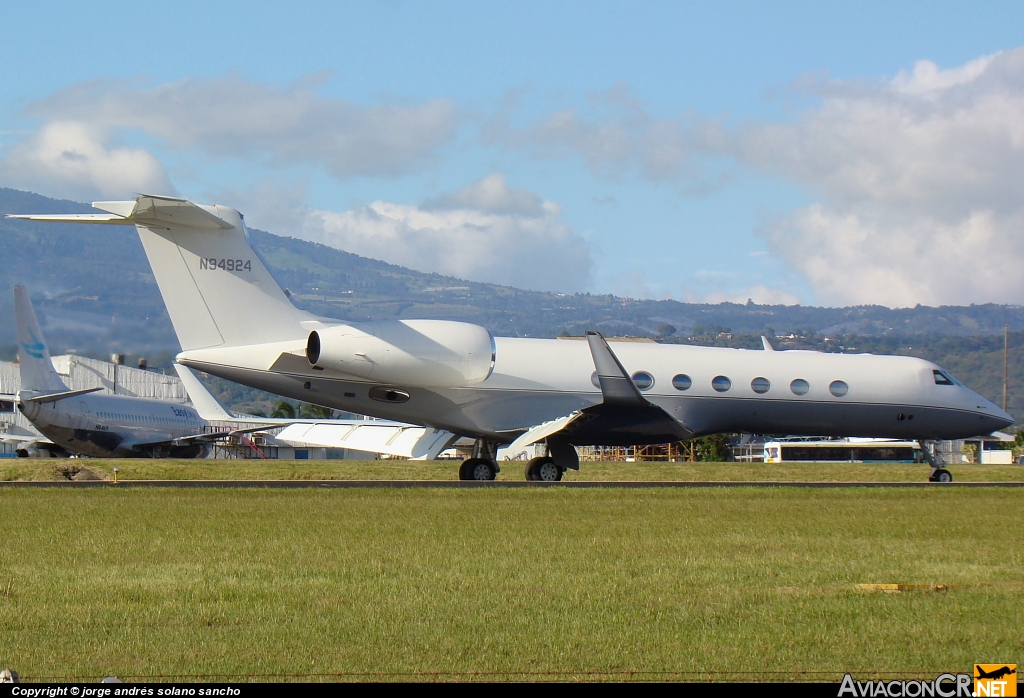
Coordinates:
991	414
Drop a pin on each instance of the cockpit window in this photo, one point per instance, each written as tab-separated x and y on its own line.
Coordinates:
941	378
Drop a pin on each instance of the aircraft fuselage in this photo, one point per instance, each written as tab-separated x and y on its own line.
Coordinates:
108	426
706	389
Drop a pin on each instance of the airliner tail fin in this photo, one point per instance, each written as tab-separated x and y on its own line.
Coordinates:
37	372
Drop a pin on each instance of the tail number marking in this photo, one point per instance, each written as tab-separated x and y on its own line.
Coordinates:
225	264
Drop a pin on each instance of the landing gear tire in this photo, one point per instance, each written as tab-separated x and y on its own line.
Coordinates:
543	470
477	469
531	469
941	475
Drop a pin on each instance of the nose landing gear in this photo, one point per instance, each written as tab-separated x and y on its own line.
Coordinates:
939	473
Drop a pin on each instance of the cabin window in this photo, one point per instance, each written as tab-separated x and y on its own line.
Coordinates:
838	388
682	382
799	386
643	380
760	385
942	379
721	383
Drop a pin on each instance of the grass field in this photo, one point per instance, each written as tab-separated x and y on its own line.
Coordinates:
588	583
203	469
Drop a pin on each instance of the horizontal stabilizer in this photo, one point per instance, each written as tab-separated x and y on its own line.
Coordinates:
54	397
95	218
147	210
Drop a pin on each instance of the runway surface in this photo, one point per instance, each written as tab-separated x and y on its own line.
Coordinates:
457	484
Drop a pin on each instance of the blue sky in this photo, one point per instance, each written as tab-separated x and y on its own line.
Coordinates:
793	152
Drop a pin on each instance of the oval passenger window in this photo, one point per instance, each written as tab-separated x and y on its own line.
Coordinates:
721	383
838	388
799	386
643	380
682	382
760	385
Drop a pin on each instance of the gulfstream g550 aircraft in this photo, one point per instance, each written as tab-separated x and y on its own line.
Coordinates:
233	320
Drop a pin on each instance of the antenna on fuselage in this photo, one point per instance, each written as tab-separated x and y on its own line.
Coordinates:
767	345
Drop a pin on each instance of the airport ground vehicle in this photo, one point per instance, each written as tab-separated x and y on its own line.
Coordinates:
838	450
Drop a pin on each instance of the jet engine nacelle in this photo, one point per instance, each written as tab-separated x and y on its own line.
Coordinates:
413	353
32	452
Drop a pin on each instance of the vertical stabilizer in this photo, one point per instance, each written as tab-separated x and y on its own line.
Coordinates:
216	287
208	407
37	372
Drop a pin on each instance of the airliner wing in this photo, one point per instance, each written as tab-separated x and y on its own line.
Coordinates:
208	437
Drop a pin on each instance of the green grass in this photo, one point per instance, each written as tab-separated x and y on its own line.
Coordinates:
279	582
203	469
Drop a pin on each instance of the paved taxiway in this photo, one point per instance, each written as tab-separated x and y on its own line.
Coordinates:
459	484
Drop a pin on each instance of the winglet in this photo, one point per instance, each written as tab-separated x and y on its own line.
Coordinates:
767	345
208	407
616	385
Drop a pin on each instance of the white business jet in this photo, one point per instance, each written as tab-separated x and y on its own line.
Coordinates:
98	424
233	320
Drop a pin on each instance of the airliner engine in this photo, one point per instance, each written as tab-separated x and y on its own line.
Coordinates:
413	353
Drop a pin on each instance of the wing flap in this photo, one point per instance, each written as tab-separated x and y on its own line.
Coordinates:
539	433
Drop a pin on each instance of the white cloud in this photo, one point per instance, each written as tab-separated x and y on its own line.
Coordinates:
484	232
919	181
73	160
917	178
232	117
624	138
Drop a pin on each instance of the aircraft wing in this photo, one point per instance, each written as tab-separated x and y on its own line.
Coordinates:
208	407
623	414
389	438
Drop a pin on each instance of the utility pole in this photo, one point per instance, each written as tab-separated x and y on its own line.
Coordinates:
1006	362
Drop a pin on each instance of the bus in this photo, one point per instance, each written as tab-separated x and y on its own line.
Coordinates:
843	450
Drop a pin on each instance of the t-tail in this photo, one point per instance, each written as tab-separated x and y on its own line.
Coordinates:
217	290
37	371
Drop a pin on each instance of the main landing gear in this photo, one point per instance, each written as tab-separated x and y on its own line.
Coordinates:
482	466
939	473
543	469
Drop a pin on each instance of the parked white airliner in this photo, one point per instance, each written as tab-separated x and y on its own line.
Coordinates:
97	424
233	320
